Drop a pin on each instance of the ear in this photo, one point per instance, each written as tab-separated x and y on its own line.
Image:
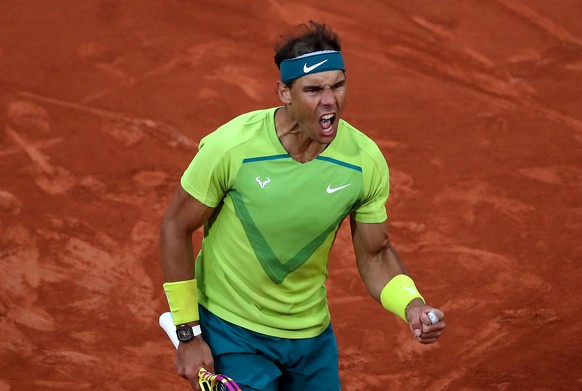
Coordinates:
283	92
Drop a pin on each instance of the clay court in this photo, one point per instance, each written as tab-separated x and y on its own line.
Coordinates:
475	104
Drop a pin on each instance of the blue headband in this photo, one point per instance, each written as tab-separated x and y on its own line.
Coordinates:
310	63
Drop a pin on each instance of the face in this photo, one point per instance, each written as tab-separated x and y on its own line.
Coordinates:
316	102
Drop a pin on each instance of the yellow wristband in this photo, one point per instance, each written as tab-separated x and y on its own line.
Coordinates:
183	300
398	293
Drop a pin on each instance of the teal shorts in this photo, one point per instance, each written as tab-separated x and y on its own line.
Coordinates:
258	362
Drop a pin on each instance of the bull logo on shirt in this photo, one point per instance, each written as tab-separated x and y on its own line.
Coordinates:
263	183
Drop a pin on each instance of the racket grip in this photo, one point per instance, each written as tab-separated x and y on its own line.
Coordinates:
167	323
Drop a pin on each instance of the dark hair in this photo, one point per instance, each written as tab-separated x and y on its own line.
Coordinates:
306	38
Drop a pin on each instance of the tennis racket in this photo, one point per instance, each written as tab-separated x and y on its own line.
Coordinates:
216	382
208	381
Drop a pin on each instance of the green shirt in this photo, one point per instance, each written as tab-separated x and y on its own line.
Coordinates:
264	257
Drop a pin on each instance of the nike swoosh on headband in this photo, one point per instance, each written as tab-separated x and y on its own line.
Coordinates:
307	69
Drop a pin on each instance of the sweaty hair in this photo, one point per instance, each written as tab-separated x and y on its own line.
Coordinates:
307	38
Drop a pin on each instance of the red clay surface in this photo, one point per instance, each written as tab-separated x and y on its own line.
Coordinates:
476	105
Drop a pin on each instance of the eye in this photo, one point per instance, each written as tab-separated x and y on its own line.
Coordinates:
339	86
313	89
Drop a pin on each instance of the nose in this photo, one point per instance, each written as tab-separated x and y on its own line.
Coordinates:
328	96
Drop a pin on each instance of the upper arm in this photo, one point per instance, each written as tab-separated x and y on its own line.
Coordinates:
369	239
185	214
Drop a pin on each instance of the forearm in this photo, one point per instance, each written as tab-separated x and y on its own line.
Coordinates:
178	267
176	252
378	269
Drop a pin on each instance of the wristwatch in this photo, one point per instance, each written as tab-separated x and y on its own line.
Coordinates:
187	333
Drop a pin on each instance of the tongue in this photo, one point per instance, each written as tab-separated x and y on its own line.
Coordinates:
325	123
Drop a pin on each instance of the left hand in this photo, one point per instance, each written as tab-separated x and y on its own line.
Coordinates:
420	323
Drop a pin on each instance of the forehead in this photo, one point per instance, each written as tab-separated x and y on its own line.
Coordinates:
321	79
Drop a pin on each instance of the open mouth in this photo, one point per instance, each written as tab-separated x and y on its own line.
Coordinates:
326	121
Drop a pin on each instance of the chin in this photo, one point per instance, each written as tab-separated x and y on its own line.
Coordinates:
326	139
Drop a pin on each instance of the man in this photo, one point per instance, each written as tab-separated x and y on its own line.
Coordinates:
271	188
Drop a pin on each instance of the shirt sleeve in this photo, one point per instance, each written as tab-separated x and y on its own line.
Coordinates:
207	176
376	176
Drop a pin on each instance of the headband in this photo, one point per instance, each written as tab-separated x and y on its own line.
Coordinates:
310	63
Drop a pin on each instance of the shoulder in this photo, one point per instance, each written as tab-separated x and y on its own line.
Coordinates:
353	142
239	130
357	137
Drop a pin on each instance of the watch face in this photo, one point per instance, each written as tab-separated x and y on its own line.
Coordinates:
185	333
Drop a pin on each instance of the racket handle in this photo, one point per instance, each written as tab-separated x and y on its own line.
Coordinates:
167	323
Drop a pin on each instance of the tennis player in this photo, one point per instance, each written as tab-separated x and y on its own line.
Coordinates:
271	188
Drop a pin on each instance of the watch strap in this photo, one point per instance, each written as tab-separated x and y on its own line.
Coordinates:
196	330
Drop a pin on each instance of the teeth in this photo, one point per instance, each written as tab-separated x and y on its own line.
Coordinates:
327	116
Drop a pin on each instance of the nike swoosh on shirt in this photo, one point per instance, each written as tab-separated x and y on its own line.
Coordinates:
334	189
307	69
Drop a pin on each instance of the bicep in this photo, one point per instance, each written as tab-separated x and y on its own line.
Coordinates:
369	240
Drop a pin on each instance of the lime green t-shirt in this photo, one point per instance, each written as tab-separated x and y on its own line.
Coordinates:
264	257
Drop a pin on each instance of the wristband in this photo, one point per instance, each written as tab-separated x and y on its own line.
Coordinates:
398	293
182	297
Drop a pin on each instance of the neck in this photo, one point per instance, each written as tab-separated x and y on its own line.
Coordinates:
296	142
